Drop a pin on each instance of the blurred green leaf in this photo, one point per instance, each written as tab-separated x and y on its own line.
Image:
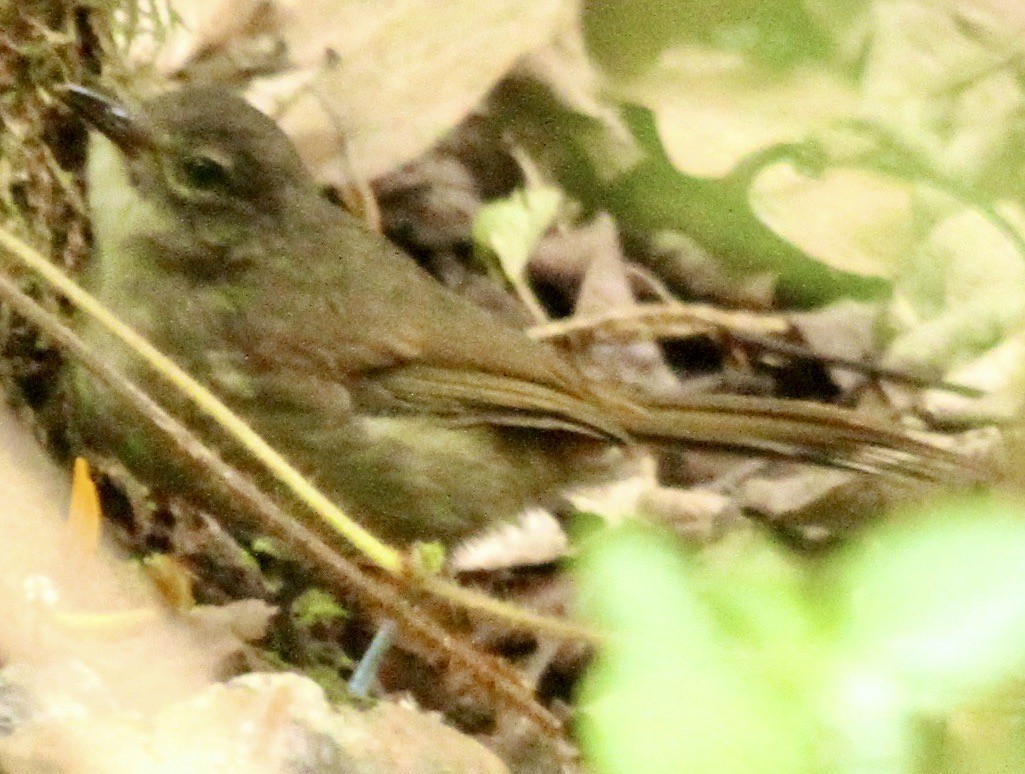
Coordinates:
758	595
670	693
718	214
941	78
508	230
315	606
852	666
627	36
938	606
961	292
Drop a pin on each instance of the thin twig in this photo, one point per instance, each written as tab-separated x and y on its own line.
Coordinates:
698	316
868	369
674	319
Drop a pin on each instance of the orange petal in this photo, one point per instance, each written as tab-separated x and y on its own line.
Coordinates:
84	513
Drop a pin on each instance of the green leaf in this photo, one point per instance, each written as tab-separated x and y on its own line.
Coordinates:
316	606
961	292
938	608
758	597
268	546
509	229
670	689
946	87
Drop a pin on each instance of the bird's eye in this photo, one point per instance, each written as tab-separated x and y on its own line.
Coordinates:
205	172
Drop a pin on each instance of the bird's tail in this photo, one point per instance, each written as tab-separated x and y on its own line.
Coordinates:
799	430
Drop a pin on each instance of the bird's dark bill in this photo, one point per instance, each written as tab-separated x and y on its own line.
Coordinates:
109	116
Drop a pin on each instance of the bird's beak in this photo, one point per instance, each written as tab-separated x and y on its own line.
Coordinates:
112	118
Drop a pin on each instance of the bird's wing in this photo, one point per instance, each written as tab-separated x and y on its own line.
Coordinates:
474	396
400	342
396	378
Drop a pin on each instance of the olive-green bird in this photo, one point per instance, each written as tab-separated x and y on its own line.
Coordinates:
424	415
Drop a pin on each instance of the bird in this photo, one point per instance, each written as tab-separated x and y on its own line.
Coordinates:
424	415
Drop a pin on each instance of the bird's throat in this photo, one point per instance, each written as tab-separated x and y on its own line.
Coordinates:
122	222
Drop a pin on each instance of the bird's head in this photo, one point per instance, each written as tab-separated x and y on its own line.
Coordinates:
202	162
